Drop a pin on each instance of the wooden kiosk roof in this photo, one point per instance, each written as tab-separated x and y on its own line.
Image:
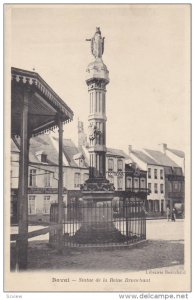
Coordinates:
44	103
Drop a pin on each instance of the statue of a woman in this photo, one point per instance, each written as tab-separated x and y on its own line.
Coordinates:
97	44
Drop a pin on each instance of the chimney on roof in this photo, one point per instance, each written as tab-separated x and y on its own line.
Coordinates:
163	148
130	148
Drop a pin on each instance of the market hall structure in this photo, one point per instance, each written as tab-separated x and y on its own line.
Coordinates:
35	109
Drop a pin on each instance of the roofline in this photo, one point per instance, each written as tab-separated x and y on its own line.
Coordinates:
165	166
178	155
34	79
156	164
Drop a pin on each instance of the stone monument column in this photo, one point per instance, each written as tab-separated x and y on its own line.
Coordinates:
97	191
97	78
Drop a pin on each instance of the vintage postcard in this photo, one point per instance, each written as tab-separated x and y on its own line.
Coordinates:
98	138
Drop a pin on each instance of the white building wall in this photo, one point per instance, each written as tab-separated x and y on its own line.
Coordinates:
156	196
69	177
69	181
144	166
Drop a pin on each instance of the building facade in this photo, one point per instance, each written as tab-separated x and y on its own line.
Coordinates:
165	179
115	168
119	170
43	175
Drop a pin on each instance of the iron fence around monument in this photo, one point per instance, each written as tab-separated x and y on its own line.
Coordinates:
103	223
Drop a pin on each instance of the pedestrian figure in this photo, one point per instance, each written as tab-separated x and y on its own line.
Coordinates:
173	215
168	213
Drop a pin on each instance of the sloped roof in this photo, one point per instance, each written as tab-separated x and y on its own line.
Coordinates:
142	156
70	150
177	152
43	143
116	152
46	143
161	158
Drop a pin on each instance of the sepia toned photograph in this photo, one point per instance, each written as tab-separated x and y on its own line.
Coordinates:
97	188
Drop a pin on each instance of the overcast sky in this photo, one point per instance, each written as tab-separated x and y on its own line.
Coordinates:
146	51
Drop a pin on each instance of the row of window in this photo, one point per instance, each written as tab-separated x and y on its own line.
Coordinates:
175	187
47	178
111	164
155	205
32	209
156	188
33	178
156	174
135	183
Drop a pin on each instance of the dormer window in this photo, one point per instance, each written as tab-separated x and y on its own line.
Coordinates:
79	159
81	162
43	158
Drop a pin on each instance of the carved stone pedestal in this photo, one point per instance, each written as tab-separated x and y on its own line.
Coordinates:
97	215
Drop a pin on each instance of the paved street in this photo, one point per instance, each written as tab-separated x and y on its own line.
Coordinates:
164	230
164	248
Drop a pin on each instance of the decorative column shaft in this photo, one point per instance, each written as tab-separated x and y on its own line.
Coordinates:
97	126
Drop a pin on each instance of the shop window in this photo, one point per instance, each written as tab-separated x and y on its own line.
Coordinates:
31	205
46	205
